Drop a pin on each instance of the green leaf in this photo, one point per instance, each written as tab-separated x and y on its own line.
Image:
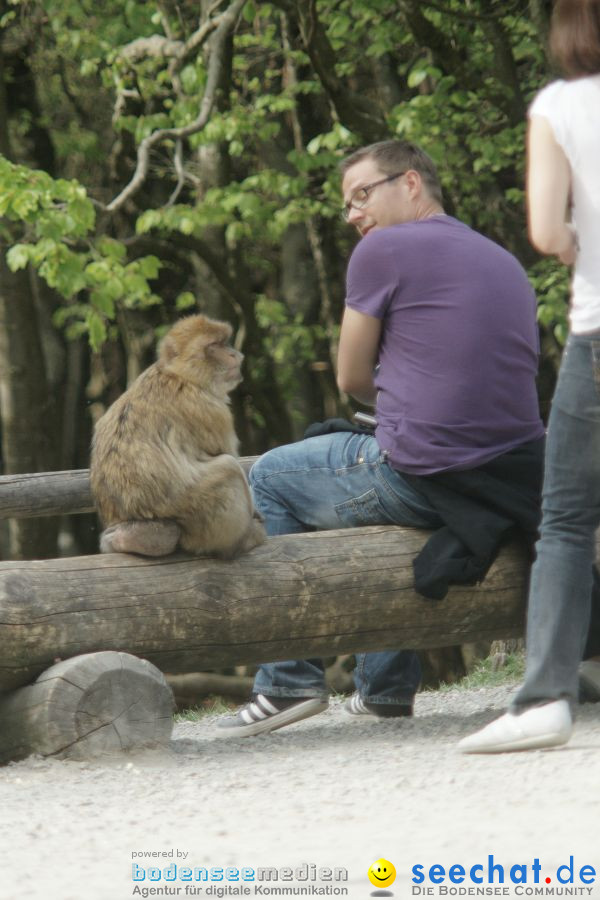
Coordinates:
113	250
147	221
18	256
186	225
185	300
96	329
249	12
189	79
149	266
82	211
113	288
69	278
416	77
25	202
103	301
135	284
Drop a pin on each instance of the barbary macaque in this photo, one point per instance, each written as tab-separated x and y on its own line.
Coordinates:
164	469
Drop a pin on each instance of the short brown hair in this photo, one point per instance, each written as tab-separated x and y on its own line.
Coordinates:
575	37
395	156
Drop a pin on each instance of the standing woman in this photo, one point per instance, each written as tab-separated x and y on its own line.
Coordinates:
563	197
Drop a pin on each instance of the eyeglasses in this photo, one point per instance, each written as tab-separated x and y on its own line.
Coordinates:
360	198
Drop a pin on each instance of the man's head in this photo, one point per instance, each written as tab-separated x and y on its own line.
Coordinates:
389	183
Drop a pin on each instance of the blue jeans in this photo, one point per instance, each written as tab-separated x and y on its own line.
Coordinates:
338	480
561	578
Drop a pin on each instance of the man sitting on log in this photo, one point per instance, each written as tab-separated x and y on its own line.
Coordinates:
439	335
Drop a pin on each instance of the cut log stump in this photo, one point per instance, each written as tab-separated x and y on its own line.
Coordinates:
92	705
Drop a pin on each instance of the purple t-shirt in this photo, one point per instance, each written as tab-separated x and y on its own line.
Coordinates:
459	346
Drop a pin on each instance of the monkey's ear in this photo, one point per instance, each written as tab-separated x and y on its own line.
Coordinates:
167	349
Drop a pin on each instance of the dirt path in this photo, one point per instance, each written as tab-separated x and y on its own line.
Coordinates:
328	792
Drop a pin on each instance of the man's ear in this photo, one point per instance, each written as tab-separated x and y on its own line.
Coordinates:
414	181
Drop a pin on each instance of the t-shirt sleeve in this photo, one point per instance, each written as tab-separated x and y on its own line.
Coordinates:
371	278
550	103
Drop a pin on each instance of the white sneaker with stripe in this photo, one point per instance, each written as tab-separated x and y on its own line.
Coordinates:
263	714
356	706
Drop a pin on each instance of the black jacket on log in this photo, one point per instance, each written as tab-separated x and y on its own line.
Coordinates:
481	508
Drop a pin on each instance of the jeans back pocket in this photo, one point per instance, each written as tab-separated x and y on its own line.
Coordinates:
365	509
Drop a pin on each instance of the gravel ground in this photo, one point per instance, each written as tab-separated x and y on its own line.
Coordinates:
329	791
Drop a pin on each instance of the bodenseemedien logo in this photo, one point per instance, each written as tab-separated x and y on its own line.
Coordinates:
181	881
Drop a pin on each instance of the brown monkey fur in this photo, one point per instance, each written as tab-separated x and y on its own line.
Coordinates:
164	470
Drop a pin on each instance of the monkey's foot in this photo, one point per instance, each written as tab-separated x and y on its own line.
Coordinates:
151	537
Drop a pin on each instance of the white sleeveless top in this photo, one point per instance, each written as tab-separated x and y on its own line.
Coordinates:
573	110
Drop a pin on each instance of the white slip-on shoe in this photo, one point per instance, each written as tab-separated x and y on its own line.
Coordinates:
549	725
589	680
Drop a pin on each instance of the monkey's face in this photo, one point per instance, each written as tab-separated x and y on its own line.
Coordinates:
226	362
197	349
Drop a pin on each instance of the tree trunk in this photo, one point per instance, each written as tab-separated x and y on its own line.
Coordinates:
26	406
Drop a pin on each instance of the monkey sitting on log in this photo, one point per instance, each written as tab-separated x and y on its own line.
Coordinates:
163	469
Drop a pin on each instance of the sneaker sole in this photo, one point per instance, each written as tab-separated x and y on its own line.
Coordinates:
286	717
359	715
350	714
537	742
367	714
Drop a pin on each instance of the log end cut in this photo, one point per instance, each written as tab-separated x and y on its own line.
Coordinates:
93	705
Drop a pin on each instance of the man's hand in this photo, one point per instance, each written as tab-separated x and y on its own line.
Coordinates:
357	355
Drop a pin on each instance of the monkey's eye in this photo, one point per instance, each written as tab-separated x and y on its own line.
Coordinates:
217	347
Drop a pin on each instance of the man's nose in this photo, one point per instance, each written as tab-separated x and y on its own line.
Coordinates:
355	215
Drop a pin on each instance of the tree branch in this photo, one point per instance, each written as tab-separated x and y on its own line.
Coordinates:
237	291
450	59
511	97
159	46
354	111
227	21
468	15
426	34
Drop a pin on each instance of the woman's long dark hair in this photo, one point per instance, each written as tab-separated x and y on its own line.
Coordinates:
575	37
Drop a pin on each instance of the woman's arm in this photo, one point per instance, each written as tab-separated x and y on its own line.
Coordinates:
548	191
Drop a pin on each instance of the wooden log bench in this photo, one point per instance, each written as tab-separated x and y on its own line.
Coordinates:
296	596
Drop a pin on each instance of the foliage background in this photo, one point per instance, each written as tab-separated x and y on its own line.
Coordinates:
231	118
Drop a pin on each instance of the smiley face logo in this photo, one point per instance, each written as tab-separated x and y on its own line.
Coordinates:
382	873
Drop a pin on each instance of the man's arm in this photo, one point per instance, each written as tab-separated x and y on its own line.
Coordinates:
548	187
357	355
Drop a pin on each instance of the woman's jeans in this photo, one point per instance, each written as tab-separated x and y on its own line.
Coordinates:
339	480
561	579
